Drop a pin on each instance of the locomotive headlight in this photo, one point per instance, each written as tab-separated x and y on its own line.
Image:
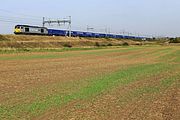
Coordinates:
17	30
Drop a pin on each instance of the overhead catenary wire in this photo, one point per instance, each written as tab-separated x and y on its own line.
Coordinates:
19	18
21	14
17	21
16	17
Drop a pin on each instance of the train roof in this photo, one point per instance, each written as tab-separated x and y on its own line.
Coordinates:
31	26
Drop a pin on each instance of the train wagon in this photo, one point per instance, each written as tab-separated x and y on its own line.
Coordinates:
57	32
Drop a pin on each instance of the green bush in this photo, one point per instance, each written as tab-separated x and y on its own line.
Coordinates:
125	44
97	44
68	45
175	40
109	44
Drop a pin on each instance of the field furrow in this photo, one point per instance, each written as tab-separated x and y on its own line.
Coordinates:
115	83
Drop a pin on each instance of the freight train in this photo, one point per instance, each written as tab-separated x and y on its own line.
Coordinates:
35	30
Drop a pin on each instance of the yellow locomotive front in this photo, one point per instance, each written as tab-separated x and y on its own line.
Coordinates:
17	29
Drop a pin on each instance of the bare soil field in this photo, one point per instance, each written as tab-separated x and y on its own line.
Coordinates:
141	82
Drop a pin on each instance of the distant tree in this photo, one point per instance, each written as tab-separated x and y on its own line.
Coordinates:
175	40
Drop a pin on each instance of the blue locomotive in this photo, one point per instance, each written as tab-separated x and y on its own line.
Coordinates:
35	30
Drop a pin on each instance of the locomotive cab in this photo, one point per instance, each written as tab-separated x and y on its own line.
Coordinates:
18	29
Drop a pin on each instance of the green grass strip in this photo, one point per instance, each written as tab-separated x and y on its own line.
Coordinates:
68	54
149	90
29	50
168	57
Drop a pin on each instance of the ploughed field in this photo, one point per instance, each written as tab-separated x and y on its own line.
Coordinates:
102	84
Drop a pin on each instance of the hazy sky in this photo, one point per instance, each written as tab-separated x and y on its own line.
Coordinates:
149	17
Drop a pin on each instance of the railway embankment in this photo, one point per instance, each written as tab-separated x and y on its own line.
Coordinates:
29	41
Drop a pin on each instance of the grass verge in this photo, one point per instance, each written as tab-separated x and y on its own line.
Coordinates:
55	54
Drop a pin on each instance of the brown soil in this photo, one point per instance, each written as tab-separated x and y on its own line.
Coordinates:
46	68
22	75
18	78
115	106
